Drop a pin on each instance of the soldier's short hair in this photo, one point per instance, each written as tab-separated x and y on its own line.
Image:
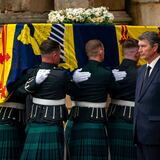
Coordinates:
152	37
92	47
130	43
48	46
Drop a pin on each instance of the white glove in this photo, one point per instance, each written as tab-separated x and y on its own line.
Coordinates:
42	74
119	75
79	76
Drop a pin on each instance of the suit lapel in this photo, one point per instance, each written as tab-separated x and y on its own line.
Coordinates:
150	79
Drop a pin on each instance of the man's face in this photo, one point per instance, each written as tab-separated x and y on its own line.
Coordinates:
146	51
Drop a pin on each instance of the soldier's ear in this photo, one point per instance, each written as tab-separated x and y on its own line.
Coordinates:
100	50
53	55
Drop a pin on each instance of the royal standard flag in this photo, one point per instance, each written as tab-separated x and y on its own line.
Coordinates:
124	32
19	51
19	46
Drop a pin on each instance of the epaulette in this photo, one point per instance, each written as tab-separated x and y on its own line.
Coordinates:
36	66
58	68
33	69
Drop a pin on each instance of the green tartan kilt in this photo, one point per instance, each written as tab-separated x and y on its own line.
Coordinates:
44	142
88	141
121	139
68	130
11	141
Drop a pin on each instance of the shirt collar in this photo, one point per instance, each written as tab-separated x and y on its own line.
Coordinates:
153	63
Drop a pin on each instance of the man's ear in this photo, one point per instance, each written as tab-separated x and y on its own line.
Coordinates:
53	55
101	50
155	47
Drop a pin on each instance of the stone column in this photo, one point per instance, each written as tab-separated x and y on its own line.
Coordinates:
145	12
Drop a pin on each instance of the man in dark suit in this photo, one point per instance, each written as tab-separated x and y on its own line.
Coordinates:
147	102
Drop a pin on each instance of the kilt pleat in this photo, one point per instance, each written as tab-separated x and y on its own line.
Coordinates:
68	130
88	141
11	141
44	142
121	140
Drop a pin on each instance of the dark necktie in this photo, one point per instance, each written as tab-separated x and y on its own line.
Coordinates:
146	75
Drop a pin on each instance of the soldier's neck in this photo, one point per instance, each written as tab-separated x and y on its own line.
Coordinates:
95	59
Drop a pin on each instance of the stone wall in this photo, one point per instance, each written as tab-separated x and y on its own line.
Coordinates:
117	7
112	4
17	11
25	11
36	6
145	12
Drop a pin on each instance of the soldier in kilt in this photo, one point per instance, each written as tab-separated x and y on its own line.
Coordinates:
88	138
12	125
44	130
47	114
120	112
11	130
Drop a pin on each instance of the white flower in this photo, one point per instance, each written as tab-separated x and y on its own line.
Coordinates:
81	15
111	16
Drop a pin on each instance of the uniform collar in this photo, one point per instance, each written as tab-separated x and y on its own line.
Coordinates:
128	62
93	62
48	65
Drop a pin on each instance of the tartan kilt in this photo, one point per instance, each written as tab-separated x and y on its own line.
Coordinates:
44	142
121	142
88	141
11	141
68	130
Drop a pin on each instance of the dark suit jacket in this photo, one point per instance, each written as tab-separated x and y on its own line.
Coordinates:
147	108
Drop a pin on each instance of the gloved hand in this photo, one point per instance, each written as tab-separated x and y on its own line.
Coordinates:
79	76
42	74
119	75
